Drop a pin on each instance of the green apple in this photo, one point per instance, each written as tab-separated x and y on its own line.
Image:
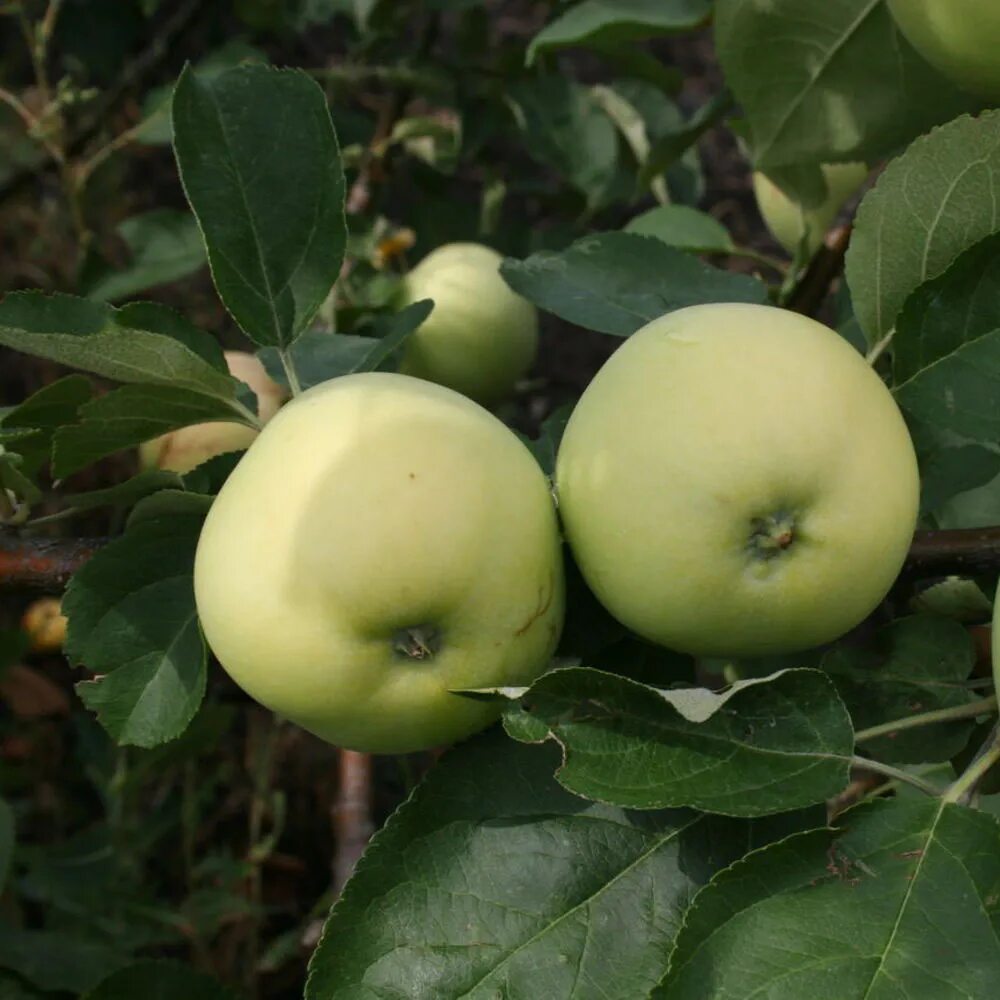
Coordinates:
184	449
960	38
384	543
482	336
791	223
737	481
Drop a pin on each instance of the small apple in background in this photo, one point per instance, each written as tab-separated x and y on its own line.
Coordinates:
482	336
959	38
183	450
737	481
791	223
384	542
45	624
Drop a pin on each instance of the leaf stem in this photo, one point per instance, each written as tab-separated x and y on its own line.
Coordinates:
962	790
290	373
877	767
879	349
967	711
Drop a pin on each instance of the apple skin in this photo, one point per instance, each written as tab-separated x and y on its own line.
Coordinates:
737	481
182	450
482	336
371	505
959	38
789	222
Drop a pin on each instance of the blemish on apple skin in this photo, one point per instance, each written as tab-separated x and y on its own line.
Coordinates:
544	603
412	475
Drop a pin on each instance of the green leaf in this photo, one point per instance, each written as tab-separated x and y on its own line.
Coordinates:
57	960
318	356
949	465
682	227
157	128
132	619
493	880
259	162
619	282
164	245
914	665
678	141
903	904
130	415
42	414
828	82
546	445
142	342
946	349
158	980
603	21
566	129
126	493
765	746
929	206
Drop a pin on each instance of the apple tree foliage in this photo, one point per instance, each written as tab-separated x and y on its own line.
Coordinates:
641	824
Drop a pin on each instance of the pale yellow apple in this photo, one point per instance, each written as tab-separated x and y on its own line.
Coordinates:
737	481
383	543
960	38
482	336
184	449
790	223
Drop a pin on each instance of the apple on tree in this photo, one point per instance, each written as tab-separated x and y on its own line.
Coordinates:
790	223
481	336
959	38
184	449
384	543
737	481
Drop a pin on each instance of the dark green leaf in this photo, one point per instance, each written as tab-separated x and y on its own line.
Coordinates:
915	665
153	980
41	414
259	162
132	619
618	282
946	349
828	82
596	22
130	415
566	129
127	493
928	207
493	880
546	445
142	342
164	245
682	227
57	960
317	356
902	904
765	746
669	148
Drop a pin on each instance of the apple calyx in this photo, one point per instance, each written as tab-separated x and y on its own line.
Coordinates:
771	535
417	642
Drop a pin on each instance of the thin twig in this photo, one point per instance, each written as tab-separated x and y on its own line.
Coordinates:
864	764
823	270
955	713
963	789
351	814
